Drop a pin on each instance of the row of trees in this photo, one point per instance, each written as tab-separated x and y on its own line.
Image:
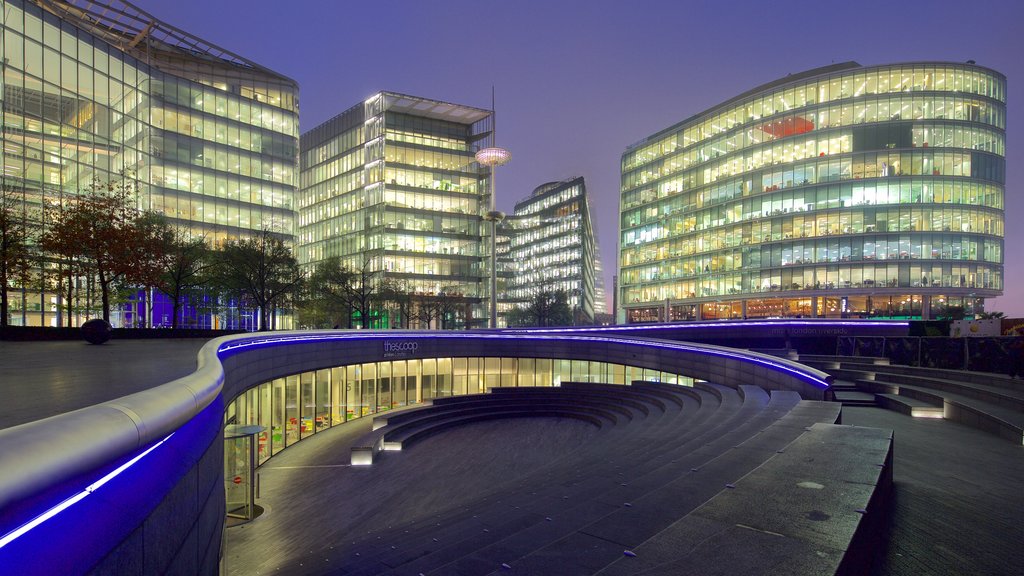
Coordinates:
100	235
335	295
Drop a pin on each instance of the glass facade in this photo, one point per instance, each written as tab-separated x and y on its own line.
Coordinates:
392	185
844	191
551	246
295	407
92	90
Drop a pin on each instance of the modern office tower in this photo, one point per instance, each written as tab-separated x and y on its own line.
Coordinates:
391	186
844	191
552	247
94	89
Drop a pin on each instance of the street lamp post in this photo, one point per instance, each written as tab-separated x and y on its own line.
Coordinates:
493	157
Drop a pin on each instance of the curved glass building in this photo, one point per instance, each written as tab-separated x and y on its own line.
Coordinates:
552	246
843	191
96	89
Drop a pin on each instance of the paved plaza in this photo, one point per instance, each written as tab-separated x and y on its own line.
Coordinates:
958	506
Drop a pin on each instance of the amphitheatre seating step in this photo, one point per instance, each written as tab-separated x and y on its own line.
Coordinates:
672	392
875	360
571	524
622	394
910	406
854	398
418	422
563	502
622	406
814	508
634	460
681	480
841	384
846	372
726	395
649	513
990	417
396	415
421	424
406	435
995	394
753	393
621	403
531	393
983	378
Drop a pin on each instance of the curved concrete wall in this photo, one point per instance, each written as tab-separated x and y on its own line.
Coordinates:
175	516
249	361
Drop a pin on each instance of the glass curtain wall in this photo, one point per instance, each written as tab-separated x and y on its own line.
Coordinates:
205	138
391	187
551	247
878	188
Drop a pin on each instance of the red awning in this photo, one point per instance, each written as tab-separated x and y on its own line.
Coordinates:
788	126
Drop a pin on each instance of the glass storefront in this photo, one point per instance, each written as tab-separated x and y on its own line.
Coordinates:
295	407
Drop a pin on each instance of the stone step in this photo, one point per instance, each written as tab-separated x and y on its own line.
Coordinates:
854	398
909	406
636	475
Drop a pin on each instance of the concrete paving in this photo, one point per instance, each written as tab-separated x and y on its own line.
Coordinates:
43	379
958	501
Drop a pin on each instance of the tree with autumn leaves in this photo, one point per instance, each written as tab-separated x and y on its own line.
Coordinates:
102	233
15	252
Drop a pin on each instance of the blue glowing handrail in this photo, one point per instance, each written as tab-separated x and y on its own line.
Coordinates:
72	500
810	375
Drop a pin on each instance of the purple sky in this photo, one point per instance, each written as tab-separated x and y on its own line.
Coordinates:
578	81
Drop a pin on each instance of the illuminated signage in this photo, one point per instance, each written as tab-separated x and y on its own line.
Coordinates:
402	348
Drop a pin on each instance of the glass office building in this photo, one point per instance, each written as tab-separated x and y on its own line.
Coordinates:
96	89
391	186
844	191
552	247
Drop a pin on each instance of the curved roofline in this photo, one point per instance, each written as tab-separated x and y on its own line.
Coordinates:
127	27
435	109
548	186
798	77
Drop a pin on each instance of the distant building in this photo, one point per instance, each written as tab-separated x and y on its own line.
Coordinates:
391	186
552	247
844	191
95	89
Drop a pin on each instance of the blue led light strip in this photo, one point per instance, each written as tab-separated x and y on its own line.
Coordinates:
536	335
719	324
21	530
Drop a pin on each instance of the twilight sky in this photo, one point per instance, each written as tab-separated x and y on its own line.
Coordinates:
578	81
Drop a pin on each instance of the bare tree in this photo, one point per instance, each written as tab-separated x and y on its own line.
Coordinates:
262	270
326	300
448	304
182	267
545	309
395	294
426	310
